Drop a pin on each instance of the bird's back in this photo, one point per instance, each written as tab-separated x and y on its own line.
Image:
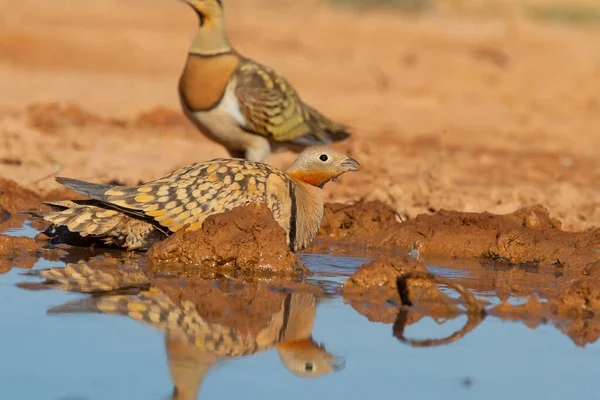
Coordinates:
189	195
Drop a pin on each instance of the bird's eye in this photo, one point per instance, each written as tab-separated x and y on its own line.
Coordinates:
323	157
309	367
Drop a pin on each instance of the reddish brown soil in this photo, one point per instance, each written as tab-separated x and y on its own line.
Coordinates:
15	200
244	240
22	252
451	110
528	236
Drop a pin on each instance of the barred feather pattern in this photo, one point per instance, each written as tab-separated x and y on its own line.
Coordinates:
272	108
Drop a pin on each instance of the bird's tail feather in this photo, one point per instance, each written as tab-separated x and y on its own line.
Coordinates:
93	190
324	130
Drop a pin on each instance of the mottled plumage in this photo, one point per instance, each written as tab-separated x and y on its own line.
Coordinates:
135	217
246	106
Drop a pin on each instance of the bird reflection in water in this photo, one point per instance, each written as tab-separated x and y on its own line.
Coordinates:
200	331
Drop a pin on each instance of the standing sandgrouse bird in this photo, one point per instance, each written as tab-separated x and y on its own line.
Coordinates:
135	217
241	104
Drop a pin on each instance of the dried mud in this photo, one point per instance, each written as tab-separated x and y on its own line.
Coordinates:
245	240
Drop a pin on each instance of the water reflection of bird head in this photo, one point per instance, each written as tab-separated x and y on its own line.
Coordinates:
308	359
297	350
289	331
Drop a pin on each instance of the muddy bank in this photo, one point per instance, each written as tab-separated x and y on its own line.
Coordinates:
16	199
528	236
23	252
245	240
372	290
401	291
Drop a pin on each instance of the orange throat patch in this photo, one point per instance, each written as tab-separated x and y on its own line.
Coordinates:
315	178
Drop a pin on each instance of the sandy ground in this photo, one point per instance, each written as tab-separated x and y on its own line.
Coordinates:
448	111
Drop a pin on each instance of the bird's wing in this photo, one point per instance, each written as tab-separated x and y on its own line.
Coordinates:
272	108
189	195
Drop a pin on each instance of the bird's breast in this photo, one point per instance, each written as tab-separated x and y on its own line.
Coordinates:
204	80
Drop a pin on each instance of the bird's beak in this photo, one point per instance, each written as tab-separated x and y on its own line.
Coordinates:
338	363
351	164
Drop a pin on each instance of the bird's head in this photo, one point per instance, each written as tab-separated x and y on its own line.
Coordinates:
308	359
319	165
210	12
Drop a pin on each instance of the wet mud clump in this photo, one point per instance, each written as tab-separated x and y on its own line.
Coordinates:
14	198
363	222
23	252
373	291
526	236
244	240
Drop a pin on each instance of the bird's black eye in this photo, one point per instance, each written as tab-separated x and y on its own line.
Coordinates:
323	157
309	367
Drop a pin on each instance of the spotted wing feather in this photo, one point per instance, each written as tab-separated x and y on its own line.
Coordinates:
188	196
272	108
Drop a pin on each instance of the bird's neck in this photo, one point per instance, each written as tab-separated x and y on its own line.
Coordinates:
210	38
313	178
309	213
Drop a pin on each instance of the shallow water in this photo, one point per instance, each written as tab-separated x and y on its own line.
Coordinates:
99	356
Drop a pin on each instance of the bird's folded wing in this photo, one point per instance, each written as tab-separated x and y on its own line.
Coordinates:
190	195
272	108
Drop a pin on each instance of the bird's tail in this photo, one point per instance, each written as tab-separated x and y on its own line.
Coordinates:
332	131
92	190
86	217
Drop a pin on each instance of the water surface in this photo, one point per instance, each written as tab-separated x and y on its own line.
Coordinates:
99	356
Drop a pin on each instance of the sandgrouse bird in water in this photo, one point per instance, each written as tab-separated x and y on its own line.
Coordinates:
135	217
241	104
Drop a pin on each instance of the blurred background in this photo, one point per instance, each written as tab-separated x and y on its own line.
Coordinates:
475	105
